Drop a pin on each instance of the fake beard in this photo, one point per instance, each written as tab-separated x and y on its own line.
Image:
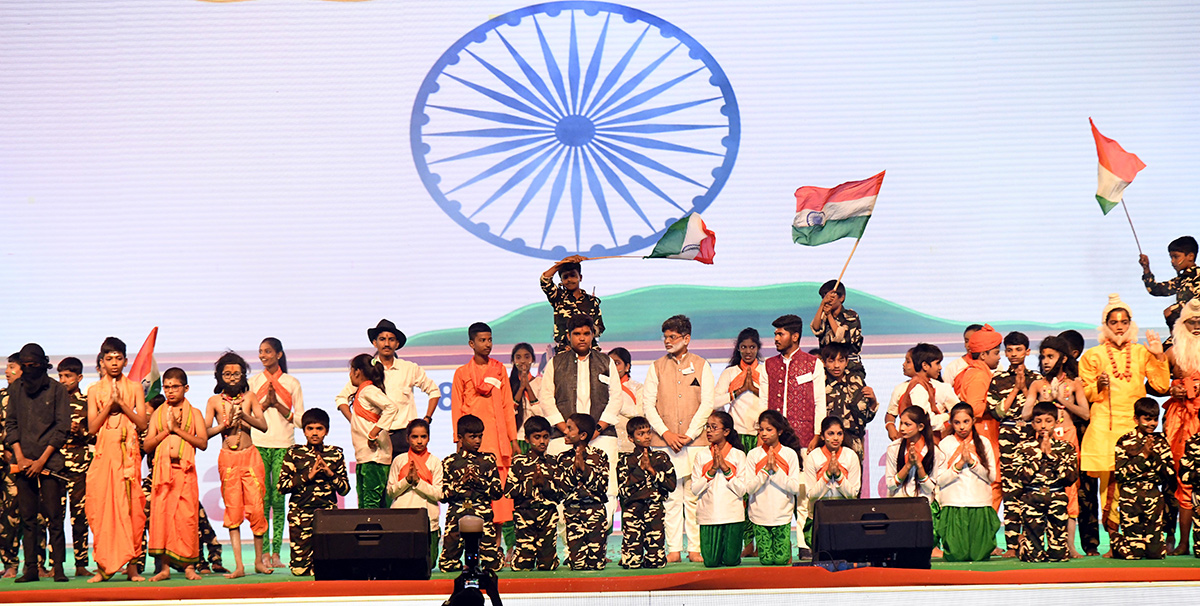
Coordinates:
233	389
1186	349
675	347
1130	336
1053	372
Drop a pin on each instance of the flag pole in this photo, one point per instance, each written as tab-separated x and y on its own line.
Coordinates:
839	279
1135	238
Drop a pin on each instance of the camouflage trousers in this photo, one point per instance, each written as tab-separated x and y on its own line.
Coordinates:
1142	508
300	521
537	538
1043	525
10	527
1010	485
76	492
644	540
452	546
585	535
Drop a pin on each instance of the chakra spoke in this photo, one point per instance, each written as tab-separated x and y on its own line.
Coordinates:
593	69
494	148
501	98
556	192
638	177
645	143
573	66
643	97
615	181
611	79
494	116
534	187
502	165
531	74
598	193
648	162
637	79
493	132
551	65
576	193
512	84
512	181
649	114
647	129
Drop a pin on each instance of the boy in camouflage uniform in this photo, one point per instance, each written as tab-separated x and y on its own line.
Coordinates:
77	454
314	474
10	519
533	487
645	478
1189	475
568	300
1006	398
1045	467
1186	283
847	396
1144	468
470	482
583	471
834	323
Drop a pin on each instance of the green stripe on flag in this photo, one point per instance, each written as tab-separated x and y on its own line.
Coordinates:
672	241
834	230
1106	204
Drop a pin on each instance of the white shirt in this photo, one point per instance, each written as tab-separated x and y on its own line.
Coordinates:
943	395
773	496
400	380
971	487
746	408
908	486
720	498
423	494
374	400
821	487
583	393
630	408
650	400
281	432
818	386
952	368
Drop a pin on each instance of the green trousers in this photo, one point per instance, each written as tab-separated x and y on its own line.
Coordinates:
721	544
274	502
774	544
370	480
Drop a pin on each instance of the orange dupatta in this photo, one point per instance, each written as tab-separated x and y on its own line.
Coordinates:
832	458
740	379
419	461
773	453
724	454
284	395
359	409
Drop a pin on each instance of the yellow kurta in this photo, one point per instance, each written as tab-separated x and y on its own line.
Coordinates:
1112	410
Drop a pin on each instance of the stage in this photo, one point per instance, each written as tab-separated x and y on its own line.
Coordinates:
1089	580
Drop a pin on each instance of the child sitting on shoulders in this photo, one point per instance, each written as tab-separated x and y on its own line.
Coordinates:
1144	466
647	477
583	471
967	524
775	485
1045	467
534	490
415	481
719	479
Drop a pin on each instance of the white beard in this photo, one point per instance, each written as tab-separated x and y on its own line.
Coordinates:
1186	350
1107	335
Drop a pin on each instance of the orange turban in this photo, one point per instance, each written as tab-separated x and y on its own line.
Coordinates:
984	339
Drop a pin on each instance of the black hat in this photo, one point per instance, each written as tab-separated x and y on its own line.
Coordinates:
386	325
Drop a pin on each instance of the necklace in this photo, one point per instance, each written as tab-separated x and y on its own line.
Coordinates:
1125	375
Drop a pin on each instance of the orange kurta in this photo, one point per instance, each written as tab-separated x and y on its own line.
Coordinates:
971	386
1180	422
175	494
473	393
115	505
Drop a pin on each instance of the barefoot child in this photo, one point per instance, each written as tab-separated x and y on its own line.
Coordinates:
967	524
282	402
1144	467
115	505
720	476
1046	467
1006	397
583	473
176	430
533	486
776	485
470	482
77	455
314	474
647	478
415	481
235	410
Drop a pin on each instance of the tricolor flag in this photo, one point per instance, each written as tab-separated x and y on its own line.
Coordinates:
145	367
824	215
687	238
1117	170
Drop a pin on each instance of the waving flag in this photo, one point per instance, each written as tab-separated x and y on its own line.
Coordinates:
145	367
687	238
1117	170
824	214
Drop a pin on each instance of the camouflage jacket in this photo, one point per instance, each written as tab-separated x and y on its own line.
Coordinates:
587	486
1036	469
566	305
1189	462
470	477
852	335
1003	383
844	399
635	484
521	488
1138	469
1185	285
77	452
319	492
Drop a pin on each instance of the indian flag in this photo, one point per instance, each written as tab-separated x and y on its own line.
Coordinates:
145	367
687	238
1117	170
824	214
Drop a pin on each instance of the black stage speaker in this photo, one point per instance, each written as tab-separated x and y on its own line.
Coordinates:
368	544
896	533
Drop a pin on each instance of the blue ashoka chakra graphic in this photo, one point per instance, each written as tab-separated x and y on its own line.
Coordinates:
574	127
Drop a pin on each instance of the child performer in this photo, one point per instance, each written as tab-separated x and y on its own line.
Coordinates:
1186	283
972	386
774	488
568	299
630	397
1062	387
1006	398
373	412
647	478
583	473
116	505
738	387
533	487
720	477
525	390
77	455
1144	466
470	482
954	367
924	390
10	515
912	459
282	403
967	524
830	471
176	430
1181	414
1046	467
314	474
834	323
235	410
847	396
480	388
415	481
1189	475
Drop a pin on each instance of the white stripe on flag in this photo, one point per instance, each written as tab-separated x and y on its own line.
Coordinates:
850	208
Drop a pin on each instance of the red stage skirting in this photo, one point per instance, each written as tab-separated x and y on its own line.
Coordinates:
706	580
